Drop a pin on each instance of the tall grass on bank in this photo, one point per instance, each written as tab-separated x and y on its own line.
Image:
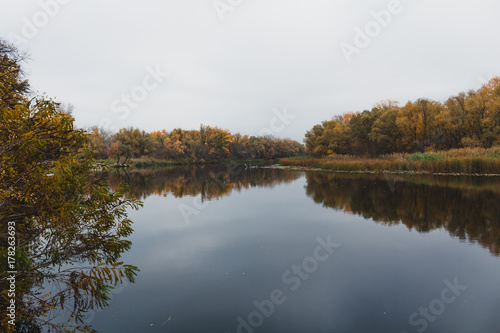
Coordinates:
456	161
145	164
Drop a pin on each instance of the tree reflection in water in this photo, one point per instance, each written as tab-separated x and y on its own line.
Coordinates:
211	182
467	207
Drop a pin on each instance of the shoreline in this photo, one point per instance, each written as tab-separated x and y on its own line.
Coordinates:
371	166
395	172
152	163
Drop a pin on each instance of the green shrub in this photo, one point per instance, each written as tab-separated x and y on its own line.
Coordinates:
428	156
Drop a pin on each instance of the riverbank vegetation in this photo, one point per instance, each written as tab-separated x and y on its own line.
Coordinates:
63	229
467	120
206	145
455	161
460	135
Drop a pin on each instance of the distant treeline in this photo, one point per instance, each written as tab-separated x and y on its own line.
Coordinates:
467	120
203	145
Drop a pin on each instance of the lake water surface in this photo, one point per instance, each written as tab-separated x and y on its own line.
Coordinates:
263	250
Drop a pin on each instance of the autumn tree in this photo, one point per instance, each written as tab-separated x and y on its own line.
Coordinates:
314	144
62	212
99	142
491	120
13	85
70	228
360	128
140	142
385	132
466	120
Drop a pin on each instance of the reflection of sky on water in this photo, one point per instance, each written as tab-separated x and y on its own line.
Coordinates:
205	274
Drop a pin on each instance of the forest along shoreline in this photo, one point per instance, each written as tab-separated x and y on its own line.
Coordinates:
464	161
458	137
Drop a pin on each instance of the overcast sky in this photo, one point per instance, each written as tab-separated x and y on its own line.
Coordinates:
236	64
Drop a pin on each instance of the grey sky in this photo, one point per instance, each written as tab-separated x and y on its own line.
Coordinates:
264	55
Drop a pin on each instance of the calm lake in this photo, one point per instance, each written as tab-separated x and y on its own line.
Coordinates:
225	249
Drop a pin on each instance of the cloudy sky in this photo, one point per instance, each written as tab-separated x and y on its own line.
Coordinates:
249	65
